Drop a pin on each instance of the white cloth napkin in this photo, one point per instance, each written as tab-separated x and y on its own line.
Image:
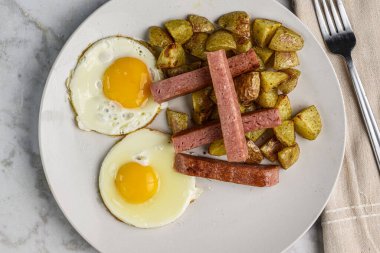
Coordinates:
351	220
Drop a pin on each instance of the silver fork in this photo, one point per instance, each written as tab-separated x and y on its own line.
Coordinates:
340	39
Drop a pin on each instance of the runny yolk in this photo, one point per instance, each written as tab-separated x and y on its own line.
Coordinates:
127	81
136	183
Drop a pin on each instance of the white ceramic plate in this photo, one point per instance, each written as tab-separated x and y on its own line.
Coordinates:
227	217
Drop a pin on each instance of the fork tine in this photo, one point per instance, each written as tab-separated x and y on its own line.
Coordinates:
338	22
343	14
330	22
321	20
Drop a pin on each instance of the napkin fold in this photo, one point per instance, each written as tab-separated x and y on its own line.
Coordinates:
351	219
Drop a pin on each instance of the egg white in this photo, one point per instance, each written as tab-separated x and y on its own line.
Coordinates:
94	110
175	192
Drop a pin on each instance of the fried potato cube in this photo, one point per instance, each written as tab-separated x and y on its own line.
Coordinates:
181	30
285	60
201	24
286	40
267	99
284	108
255	135
270	149
247	108
308	123
196	45
243	44
158	37
183	69
285	133
289	156
254	153
202	105
261	66
247	87
217	148
263	31
220	40
264	53
236	22
171	56
271	79
177	121
290	84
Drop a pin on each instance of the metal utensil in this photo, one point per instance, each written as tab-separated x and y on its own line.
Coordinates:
340	39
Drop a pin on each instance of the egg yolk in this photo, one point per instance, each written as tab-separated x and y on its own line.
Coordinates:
136	183
127	81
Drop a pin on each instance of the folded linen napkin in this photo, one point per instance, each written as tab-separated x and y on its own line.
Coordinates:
351	219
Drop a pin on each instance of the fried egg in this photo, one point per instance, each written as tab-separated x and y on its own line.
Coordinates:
138	183
110	86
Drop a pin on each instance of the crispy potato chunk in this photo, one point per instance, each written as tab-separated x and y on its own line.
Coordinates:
285	60
254	153
197	45
220	40
308	123
289	156
183	69
177	121
158	37
271	79
263	31
202	105
247	87
255	135
270	149
290	84
215	114
236	22
181	30
200	24
171	56
264	53
285	133
217	148
261	66
243	44
284	108
267	99
248	108
286	40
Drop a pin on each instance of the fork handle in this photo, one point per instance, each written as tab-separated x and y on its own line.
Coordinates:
369	119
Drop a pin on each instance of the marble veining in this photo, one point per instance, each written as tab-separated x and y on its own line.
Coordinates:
32	32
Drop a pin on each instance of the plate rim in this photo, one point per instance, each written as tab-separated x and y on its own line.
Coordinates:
99	9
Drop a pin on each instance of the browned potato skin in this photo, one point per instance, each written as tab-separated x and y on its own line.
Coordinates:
263	31
285	60
264	53
271	148
177	121
201	24
236	22
247	87
284	107
197	45
289	85
183	69
158	37
202	105
171	56
286	40
217	148
248	108
285	133
181	30
220	40
267	99
254	153
243	44
289	156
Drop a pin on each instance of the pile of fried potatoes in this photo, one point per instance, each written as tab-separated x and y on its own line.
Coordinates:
181	46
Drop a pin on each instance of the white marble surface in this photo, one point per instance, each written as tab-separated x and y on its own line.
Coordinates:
31	34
